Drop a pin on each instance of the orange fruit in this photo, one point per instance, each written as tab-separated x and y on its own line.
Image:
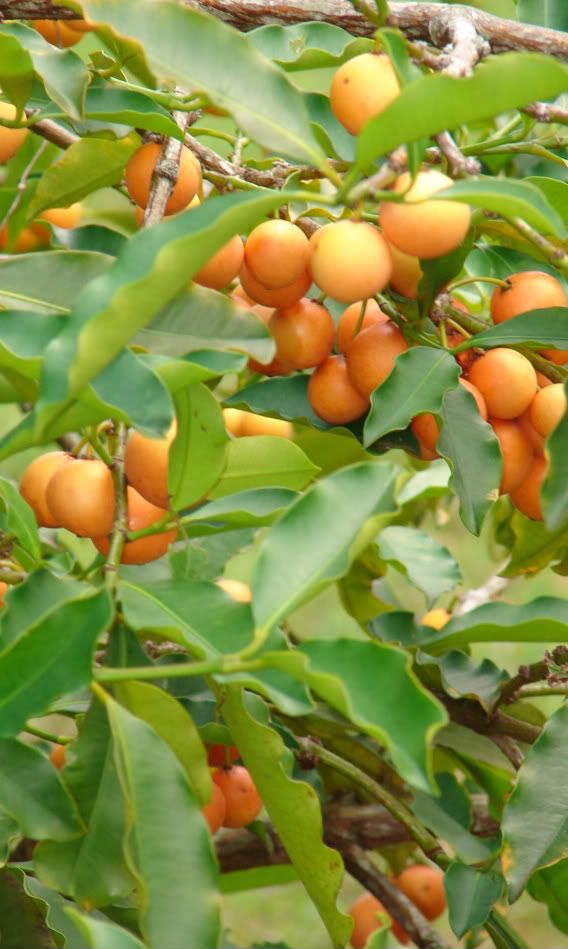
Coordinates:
425	887
146	465
547	409
351	261
57	32
223	266
10	139
362	88
526	498
372	356
421	225
141	514
282	297
214	812
139	171
332	395
80	496
241	796
277	253
350	318
506	380
529	290
303	334
516	452
66	218
34	483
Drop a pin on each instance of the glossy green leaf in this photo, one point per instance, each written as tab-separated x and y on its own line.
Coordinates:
551	13
253	508
23	338
48	282
32	602
535	821
430	482
16	71
440	815
555	191
172	723
103	935
134	393
293	807
510	198
471	896
437	102
183	46
198	366
550	886
420	378
555	488
331	135
88	410
285	397
167	840
427	563
198	453
308	45
264	461
20	519
536	328
438	272
24	924
462	677
317	539
110	103
534	546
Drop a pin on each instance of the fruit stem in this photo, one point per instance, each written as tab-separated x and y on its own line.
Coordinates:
120	528
221	665
47	736
158	527
468	280
502	933
100	449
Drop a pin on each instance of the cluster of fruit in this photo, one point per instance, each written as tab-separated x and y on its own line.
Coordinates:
423	885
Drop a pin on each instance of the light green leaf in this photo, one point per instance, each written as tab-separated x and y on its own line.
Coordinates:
285	397
48	282
16	71
20	519
253	508
264	461
308	45
551	13
509	198
102	935
534	546
554	190
110	103
428	564
198	453
471	896
32	792
431	482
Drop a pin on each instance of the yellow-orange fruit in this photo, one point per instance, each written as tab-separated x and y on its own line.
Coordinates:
10	139
436	618
223	266
526	498
141	514
241	796
139	171
362	88
80	497
422	227
81	26
277	253
530	290
516	452
332	395
237	590
558	356
232	419
303	334
351	261
57	32
3	591
30	238
66	218
406	273
364	914
547	409
350	318
506	380
424	886
252	424
214	812
57	756
146	465
283	296
425	426
34	483
372	355
479	400
536	440
139	212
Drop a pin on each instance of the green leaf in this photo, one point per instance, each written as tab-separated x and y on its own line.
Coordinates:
436	813
32	792
431	482
329	132
293	807
254	508
198	453
550	886
438	272
86	166
551	13
285	397
535	820
475	461
308	45
135	393
198	366
507	197
420	378
172	723
16	71
109	103
437	102
184	46
255	878
534	546
428	564
102	935
264	461
167	840
535	329
24	924
555	192
23	339
471	896
48	282
555	488
20	520
318	538
462	677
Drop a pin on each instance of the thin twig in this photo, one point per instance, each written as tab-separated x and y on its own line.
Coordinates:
120	528
165	173
459	165
22	185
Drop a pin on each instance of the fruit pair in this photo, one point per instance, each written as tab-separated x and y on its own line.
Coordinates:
423	885
235	801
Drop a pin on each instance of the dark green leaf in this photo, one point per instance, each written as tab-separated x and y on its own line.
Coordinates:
246	508
551	13
471	896
436	813
109	103
198	453
134	392
462	677
428	564
550	886
331	135
534	546
32	792
536	328
23	339
555	488
437	273
24	924
285	397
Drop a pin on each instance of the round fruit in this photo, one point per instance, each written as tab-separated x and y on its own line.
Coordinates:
81	26
437	618
303	334
426	430
406	273
139	171
516	452
242	798
3	591
362	88
547	409
57	756
219	755
80	497
372	355
506	380
247	423
66	218
530	290
349	321
30	238
34	483
273	368
141	514
364	913
238	591
57	32
284	296
425	887
351	261
536	440
332	395
526	498
146	465
421	227
10	139
277	253
214	812
223	266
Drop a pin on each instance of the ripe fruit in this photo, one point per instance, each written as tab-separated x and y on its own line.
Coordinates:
351	261
238	591
81	26
30	238
57	756
34	483
436	618
139	171
425	887
303	334
361	88
516	452
349	321
406	273
364	913
242	798
80	497
547	409
146	465
526	498
240	423
283	296
530	290
67	218
223	266
421	227
506	380
558	356
57	32
10	139
332	394
141	514
536	440
214	812
372	355
277	253
3	591
219	755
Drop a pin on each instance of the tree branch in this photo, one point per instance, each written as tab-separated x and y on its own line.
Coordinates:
165	173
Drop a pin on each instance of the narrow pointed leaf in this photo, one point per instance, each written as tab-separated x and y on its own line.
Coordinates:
32	792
